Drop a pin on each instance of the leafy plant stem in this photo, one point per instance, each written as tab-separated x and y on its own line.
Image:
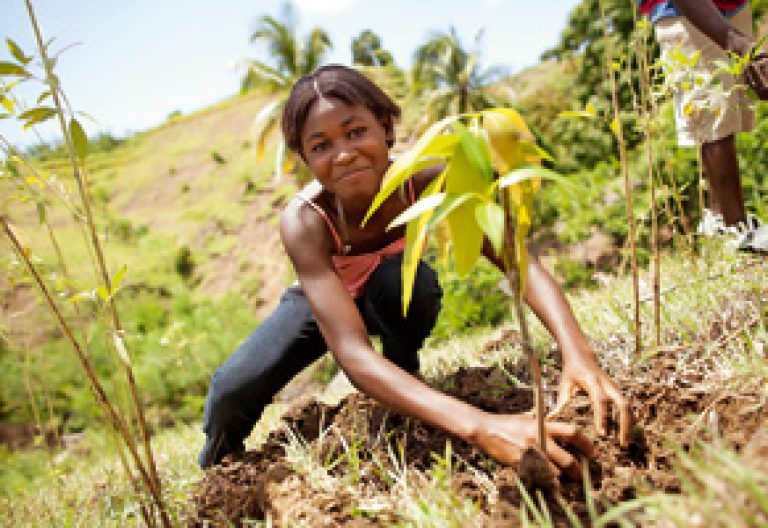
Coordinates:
513	276
88	368
51	79
648	132
625	175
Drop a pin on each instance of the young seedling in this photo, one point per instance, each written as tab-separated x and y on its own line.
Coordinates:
53	104
475	202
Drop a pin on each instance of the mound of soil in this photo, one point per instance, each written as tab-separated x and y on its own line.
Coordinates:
359	438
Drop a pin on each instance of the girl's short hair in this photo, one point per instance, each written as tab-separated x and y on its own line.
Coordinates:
337	82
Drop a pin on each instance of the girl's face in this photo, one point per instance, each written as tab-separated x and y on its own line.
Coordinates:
345	147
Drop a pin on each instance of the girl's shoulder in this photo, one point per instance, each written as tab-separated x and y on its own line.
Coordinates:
304	219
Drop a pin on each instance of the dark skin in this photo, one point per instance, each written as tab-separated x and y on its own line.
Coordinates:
719	157
345	147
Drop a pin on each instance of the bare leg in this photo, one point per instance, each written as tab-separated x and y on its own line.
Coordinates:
722	169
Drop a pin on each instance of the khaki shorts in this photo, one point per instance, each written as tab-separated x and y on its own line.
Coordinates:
710	111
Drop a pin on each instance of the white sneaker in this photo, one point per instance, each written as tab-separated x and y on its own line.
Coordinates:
750	236
754	237
712	225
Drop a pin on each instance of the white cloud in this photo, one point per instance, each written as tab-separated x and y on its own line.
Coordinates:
324	6
491	3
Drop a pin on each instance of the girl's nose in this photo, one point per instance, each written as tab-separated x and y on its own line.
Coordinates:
344	156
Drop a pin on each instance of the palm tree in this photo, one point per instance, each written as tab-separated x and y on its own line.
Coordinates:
367	50
449	80
292	57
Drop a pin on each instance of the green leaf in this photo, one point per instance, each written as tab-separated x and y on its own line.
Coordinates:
529	173
10	68
7	103
507	133
43	96
615	126
79	139
415	238
475	151
41	212
81	296
450	203
575	113
420	207
404	166
5	115
467	236
16	52
535	151
118	279
103	293
37	115
490	218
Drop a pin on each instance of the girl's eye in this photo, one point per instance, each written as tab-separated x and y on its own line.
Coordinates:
319	147
357	132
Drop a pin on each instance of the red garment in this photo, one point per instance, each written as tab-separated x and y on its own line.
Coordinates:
355	270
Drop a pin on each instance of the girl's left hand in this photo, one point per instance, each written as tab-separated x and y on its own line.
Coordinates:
582	372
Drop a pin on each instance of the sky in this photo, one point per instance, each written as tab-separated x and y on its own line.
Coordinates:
129	64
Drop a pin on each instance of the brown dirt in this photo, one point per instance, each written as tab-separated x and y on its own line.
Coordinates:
671	409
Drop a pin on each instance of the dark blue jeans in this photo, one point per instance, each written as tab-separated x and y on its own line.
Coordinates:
289	340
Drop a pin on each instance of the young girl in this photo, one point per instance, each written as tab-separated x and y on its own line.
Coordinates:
342	126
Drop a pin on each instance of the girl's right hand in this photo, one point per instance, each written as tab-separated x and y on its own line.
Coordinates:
505	437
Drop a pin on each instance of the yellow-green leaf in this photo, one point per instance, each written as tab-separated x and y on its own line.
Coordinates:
466	234
79	139
532	172
490	218
16	52
103	293
7	103
415	238
428	203
118	279
450	203
615	126
36	115
575	113
81	296
41	212
475	151
43	96
506	133
10	68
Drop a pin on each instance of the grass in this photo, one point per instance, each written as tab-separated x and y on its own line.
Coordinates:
89	490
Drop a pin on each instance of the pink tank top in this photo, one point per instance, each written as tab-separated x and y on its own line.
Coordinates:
355	270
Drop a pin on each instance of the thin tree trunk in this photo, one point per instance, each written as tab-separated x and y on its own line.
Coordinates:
513	276
625	175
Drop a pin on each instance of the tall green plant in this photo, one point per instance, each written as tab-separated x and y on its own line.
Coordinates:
474	202
52	104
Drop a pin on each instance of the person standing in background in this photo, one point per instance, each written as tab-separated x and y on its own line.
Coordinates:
716	29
